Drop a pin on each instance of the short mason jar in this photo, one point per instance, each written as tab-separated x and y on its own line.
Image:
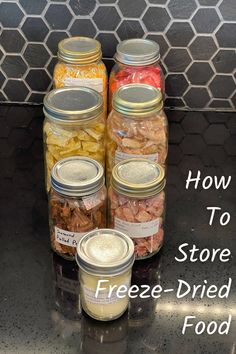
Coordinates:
74	125
136	200
80	64
105	258
77	203
137	126
137	61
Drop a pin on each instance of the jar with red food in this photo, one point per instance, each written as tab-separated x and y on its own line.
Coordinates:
137	204
77	202
137	126
137	61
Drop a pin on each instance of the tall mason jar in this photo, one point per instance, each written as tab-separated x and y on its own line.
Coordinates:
137	126
80	64
77	203
137	204
137	61
74	125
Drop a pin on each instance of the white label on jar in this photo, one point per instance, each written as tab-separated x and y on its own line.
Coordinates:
137	229
96	84
91	202
120	156
69	285
102	298
68	238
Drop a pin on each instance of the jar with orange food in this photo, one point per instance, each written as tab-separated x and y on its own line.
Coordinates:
137	126
137	61
80	64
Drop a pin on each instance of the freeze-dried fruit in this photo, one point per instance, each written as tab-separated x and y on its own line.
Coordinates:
132	130
85	140
70	218
91	75
130	214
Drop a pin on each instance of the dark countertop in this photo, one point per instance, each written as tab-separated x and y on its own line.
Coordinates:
39	308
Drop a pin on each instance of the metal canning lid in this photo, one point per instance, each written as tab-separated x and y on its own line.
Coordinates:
137	99
137	52
79	50
138	178
77	176
73	104
105	252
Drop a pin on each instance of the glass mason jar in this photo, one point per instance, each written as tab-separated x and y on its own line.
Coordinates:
137	61
80	64
74	125
137	126
105	258
137	204
77	203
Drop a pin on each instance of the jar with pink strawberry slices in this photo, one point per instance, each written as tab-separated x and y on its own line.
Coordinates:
137	204
137	61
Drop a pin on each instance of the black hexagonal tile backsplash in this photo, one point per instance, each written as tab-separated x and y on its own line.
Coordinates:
200	73
196	37
106	18
14	66
182	9
10	14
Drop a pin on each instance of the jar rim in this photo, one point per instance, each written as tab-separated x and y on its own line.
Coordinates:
94	247
77	176
72	104
79	50
137	52
138	178
137	100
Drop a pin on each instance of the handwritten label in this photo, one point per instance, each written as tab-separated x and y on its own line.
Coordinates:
96	84
137	229
91	202
68	238
120	156
105	296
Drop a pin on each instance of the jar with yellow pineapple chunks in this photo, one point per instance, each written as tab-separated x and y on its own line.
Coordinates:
74	125
80	64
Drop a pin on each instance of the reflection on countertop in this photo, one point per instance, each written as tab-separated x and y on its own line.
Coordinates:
40	306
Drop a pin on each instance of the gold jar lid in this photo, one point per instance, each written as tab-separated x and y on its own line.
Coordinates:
138	178
79	50
72	104
137	100
137	51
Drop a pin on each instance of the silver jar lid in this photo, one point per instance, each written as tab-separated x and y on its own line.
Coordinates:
137	52
72	104
138	178
137	100
105	252
79	50
77	176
